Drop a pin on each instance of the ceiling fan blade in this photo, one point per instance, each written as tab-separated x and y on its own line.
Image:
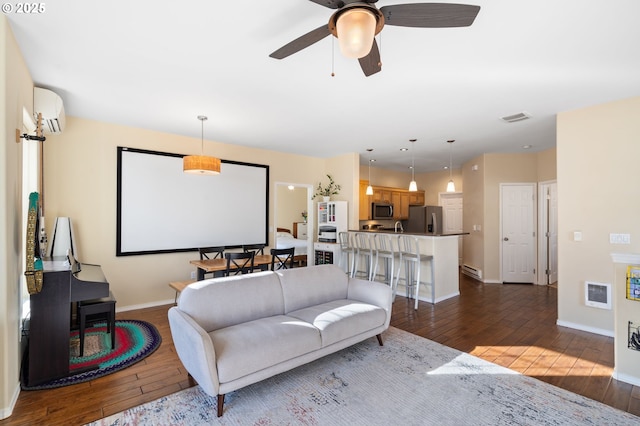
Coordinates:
302	42
331	4
430	15
371	64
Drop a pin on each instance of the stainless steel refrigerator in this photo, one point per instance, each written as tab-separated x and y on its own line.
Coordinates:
424	219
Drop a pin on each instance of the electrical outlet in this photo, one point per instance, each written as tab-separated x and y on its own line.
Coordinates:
193	275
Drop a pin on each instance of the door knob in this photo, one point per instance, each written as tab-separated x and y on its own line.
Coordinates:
505	239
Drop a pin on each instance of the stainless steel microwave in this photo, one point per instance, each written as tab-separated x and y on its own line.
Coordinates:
381	211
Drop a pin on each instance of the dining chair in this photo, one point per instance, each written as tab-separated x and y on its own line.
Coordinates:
214	252
239	263
211	252
282	258
257	248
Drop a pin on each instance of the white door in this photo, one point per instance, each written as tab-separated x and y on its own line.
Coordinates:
548	233
452	217
517	208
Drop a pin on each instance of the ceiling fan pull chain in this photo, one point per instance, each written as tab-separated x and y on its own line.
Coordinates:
380	48
333	74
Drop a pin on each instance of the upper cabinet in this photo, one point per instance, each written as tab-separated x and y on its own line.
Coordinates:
399	197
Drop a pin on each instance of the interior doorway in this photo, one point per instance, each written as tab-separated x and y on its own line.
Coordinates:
548	233
290	200
518	232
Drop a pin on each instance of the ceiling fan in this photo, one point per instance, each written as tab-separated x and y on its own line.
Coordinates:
356	23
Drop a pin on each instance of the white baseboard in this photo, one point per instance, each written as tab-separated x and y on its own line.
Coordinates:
492	281
6	411
582	327
145	305
632	380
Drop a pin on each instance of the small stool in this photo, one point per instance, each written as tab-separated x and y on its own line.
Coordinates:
105	305
385	253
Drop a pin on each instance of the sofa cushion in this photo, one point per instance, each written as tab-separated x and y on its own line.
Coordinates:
223	302
255	345
340	319
313	285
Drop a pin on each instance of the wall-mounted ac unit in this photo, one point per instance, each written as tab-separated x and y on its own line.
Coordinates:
50	105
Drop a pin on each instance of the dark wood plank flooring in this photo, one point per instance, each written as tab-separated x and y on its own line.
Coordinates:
511	325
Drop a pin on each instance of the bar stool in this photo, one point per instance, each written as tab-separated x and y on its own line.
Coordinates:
383	244
365	249
347	251
105	306
409	249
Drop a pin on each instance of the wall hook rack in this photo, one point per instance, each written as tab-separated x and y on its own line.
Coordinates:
38	136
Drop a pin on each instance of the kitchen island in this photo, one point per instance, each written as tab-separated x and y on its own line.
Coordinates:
444	249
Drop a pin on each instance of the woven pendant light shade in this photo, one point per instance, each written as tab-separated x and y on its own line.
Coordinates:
201	165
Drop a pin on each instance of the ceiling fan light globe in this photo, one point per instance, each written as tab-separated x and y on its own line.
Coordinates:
356	29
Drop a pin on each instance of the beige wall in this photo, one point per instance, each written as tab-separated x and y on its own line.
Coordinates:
482	201
16	92
598	176
473	212
80	182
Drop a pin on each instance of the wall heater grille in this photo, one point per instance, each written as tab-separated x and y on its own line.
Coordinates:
472	271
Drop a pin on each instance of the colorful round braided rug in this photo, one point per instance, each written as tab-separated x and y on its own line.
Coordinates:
135	340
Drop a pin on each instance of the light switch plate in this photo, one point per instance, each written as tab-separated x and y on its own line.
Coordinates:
620	238
577	236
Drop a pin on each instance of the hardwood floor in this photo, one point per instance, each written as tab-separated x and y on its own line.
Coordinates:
511	325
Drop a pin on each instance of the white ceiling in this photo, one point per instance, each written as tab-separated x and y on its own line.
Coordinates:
158	64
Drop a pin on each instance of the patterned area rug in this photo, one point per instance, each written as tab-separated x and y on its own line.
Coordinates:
135	340
408	381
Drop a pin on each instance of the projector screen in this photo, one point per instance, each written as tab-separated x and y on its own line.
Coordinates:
161	209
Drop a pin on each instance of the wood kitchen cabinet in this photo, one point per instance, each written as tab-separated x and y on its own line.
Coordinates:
400	198
381	195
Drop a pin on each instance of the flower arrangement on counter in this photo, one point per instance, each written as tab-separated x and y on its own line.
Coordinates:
304	216
326	191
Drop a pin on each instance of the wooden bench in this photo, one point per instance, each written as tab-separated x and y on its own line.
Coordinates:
178	286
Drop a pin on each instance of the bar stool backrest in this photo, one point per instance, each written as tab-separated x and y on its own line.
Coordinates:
408	244
383	243
363	241
345	241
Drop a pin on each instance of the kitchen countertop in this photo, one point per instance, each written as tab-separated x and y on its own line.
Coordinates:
421	234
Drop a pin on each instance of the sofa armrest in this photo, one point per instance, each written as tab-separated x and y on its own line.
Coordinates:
195	350
371	292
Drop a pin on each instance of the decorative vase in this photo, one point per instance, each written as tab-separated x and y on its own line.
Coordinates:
326	199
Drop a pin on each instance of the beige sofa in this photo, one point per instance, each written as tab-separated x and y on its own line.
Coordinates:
232	332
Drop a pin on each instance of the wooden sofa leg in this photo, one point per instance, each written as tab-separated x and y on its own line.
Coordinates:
220	404
192	381
379	336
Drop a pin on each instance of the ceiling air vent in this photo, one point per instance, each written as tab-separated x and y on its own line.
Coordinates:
516	117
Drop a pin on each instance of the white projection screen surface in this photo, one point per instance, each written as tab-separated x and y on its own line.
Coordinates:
161	209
